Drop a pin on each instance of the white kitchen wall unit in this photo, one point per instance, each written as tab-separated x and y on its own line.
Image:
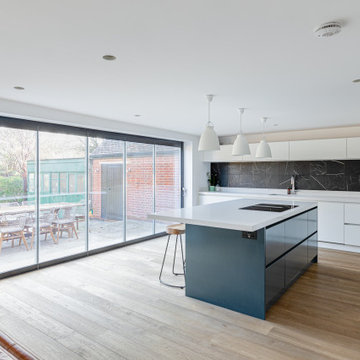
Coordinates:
222	155
320	149
251	157
331	222
280	152
353	148
352	214
352	235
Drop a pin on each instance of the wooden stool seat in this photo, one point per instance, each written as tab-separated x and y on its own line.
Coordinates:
176	229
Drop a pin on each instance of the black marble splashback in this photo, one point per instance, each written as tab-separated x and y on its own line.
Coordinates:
340	175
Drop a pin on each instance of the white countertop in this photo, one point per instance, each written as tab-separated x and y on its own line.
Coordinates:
276	194
227	215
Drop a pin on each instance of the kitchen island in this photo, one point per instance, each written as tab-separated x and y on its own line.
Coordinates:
244	254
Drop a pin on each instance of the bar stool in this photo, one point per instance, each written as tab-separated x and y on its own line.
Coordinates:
178	230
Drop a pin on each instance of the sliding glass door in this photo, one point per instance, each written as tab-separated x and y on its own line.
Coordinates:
67	191
167	181
62	195
139	190
17	198
106	192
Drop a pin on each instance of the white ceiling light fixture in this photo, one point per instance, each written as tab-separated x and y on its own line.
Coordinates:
241	145
328	29
209	140
263	150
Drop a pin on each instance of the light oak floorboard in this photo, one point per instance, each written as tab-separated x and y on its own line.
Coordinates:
112	306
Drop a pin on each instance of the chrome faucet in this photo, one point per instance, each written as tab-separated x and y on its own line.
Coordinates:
292	181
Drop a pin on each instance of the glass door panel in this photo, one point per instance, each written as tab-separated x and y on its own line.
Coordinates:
106	192
167	181
139	189
17	198
62	195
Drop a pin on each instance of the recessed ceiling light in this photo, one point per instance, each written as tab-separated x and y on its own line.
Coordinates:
19	88
109	57
356	81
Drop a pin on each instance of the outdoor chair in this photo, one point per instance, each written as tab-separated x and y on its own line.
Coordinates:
45	225
79	216
66	223
14	231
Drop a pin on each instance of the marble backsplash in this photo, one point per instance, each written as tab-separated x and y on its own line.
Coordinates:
337	175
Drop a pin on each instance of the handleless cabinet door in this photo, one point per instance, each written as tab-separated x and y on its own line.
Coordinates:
312	223
295	230
331	222
275	242
295	262
352	235
312	248
275	279
352	214
353	148
320	149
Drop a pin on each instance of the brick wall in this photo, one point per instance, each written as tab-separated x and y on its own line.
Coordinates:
140	184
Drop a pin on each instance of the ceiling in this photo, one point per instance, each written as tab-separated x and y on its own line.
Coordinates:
258	54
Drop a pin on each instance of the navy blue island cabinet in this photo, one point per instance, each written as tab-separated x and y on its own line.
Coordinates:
248	272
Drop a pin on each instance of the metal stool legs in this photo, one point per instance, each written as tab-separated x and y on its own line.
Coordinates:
174	260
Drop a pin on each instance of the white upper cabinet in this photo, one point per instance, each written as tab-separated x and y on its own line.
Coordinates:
321	149
279	150
222	155
353	148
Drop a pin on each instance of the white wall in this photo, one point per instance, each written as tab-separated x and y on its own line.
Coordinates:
194	169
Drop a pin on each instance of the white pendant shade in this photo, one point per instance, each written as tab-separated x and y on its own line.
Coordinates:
263	150
209	140
241	146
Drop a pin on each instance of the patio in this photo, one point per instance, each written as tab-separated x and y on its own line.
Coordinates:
101	233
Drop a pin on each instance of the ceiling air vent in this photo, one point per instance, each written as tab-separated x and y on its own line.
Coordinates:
328	29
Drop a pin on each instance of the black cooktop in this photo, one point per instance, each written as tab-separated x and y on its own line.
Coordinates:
269	207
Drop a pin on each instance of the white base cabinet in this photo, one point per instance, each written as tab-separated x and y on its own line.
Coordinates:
352	235
331	222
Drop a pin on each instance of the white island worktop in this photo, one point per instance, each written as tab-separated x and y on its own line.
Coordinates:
227	215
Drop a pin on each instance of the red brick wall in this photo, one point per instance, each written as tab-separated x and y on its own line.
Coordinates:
139	188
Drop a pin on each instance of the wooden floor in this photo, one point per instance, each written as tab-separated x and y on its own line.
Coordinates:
111	306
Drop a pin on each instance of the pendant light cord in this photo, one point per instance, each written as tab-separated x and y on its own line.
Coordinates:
209	98
241	110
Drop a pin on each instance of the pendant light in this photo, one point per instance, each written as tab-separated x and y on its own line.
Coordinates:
263	150
208	139
241	145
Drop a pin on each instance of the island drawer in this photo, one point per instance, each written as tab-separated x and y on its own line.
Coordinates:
312	222
275	242
275	280
295	262
312	247
296	230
